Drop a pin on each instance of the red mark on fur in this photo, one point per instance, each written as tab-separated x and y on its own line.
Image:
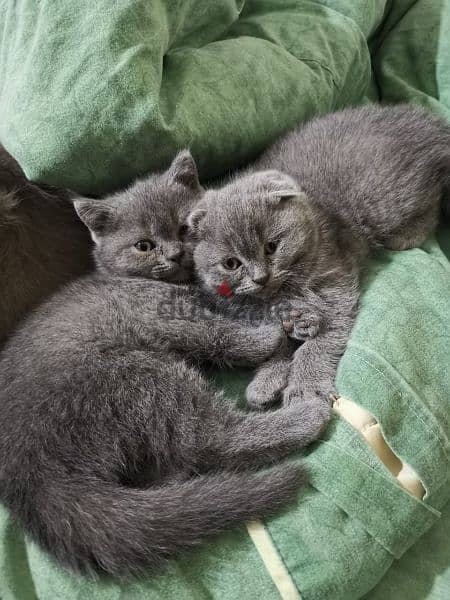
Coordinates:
224	289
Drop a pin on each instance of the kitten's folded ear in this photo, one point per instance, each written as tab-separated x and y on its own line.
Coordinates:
281	187
94	213
183	170
282	196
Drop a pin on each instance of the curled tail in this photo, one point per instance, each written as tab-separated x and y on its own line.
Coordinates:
92	526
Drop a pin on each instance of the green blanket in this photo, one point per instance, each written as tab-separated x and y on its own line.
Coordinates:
423	572
94	93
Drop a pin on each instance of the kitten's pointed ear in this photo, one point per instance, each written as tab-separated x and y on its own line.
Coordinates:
183	170
195	218
94	213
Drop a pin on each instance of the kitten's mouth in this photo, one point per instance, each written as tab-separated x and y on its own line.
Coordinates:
259	292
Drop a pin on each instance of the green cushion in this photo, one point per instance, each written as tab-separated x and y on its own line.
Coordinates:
96	93
93	93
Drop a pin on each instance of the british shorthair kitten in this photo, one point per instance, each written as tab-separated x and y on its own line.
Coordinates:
115	452
142	230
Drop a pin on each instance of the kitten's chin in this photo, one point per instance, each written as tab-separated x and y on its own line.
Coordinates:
178	276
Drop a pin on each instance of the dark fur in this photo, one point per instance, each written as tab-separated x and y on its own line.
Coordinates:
327	193
42	243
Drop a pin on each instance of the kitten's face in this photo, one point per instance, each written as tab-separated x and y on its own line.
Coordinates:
252	234
143	230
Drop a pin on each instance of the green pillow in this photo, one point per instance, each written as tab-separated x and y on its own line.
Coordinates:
95	93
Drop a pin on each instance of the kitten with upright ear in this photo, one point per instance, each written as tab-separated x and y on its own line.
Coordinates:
162	461
95	214
143	231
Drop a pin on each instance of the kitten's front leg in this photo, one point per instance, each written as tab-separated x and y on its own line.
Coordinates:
314	364
225	341
301	322
268	383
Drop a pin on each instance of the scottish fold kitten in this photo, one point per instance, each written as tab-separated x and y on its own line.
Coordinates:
296	226
115	452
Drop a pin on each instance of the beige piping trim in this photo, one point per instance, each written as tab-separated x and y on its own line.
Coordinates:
272	561
366	424
369	428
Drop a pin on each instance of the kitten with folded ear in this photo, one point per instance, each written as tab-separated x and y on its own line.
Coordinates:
261	236
343	185
142	231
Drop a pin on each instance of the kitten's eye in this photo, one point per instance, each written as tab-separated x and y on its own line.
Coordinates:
270	247
182	231
232	263
144	245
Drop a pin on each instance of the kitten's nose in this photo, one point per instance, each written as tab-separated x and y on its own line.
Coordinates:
260	276
175	253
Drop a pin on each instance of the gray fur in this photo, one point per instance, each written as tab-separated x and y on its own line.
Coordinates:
115	452
327	193
42	243
154	210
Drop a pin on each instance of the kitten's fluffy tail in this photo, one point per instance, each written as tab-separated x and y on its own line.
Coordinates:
91	526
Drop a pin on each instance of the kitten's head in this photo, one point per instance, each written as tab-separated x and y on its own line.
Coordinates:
252	234
143	230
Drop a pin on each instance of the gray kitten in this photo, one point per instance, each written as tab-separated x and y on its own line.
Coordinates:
115	452
296	226
151	237
42	242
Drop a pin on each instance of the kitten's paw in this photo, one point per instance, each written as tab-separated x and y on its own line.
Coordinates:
297	393
266	388
302	325
310	415
265	340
